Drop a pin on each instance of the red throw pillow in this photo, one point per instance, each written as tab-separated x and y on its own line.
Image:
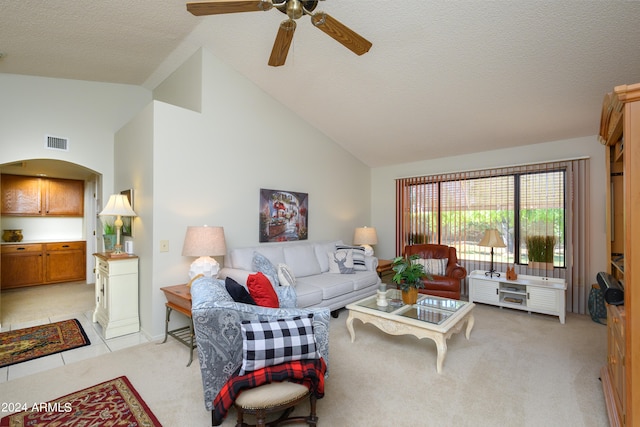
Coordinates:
261	290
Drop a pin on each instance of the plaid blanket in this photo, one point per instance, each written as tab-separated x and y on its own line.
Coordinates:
309	373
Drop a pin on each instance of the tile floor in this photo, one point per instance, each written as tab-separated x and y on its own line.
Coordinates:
98	346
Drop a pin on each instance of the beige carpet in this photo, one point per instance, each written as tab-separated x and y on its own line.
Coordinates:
517	369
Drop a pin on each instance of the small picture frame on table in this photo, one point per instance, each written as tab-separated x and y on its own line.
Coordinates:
127	221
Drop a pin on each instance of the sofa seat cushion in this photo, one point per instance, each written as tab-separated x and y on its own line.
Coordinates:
443	283
331	285
307	294
364	279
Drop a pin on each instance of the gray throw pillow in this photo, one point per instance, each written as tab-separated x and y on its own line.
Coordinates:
262	264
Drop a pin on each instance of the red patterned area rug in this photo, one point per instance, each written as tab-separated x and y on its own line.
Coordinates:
39	341
111	403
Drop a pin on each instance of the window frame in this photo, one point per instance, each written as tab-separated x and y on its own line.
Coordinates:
413	227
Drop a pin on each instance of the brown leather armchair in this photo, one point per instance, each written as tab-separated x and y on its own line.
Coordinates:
447	286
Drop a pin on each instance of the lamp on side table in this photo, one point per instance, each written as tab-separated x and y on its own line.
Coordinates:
365	237
492	239
204	242
118	206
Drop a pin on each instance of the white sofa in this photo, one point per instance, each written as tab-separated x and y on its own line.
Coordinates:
315	286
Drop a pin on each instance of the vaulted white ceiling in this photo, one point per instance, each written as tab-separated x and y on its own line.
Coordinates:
442	78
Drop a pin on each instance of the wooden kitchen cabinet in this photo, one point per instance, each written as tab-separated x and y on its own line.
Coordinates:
63	197
21	265
64	262
35	196
42	263
21	195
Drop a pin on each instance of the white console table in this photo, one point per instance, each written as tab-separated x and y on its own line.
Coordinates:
116	295
530	293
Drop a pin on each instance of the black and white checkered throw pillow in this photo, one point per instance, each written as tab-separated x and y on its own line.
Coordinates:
268	343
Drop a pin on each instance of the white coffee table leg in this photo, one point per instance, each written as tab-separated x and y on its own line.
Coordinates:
470	322
441	345
350	326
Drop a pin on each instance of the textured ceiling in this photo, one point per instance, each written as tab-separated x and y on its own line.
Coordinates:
442	78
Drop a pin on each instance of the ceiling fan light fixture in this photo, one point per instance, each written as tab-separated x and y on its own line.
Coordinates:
294	9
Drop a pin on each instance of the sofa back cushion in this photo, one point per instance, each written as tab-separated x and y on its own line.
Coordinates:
322	248
431	251
242	258
302	260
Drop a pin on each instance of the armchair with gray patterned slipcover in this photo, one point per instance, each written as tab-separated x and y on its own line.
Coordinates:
217	319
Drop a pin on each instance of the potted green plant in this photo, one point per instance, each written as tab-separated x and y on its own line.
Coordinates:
408	276
108	235
540	251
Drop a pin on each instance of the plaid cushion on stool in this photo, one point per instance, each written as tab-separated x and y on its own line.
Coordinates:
268	343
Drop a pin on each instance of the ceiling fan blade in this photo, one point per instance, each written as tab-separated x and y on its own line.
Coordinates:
341	33
216	7
282	43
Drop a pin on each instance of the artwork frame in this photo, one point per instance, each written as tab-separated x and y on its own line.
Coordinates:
127	221
283	215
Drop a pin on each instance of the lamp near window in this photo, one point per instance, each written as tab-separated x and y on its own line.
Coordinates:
118	206
492	239
365	237
204	242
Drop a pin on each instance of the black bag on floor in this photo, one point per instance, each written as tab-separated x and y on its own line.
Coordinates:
597	308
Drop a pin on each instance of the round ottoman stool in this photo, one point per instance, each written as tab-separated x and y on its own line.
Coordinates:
275	397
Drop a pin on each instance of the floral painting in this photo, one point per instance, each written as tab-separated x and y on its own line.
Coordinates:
283	215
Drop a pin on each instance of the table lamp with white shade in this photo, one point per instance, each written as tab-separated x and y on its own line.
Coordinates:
204	242
492	239
365	237
118	206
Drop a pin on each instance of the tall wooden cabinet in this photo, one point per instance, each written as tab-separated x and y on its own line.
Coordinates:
620	132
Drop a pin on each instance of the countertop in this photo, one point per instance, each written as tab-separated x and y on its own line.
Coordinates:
27	242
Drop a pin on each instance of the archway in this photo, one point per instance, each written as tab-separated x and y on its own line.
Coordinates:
37	229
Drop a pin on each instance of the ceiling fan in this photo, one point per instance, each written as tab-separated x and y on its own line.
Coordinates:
294	9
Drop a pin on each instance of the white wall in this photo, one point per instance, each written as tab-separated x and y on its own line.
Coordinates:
87	113
189	168
208	168
134	170
383	190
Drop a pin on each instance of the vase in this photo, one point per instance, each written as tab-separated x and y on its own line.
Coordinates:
410	296
541	265
12	235
109	242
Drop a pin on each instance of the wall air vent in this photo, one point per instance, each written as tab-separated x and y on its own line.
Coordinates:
56	143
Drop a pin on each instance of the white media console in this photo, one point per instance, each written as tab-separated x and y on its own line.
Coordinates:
530	293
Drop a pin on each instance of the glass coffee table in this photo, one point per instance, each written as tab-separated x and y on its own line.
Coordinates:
431	317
